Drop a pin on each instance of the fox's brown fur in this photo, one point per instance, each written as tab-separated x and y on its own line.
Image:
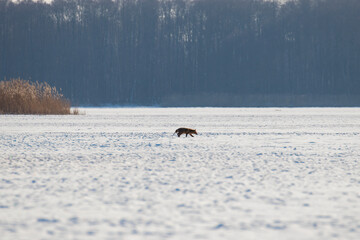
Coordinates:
186	131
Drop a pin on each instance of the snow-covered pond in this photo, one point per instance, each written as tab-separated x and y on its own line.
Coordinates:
119	173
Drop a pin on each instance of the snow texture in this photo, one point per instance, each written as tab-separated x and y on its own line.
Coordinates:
119	173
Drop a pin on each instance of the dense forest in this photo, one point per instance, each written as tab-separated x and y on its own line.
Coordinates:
187	52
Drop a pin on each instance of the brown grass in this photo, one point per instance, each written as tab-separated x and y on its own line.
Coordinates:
19	96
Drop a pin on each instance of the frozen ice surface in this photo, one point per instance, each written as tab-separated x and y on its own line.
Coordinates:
121	174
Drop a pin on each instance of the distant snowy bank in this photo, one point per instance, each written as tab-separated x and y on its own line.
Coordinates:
260	100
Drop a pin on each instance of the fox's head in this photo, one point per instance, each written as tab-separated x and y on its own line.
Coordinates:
195	132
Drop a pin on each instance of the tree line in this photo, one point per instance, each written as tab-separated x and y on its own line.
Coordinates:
183	52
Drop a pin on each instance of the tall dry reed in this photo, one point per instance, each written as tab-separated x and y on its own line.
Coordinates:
19	96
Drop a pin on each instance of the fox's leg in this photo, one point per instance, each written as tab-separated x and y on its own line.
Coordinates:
179	134
186	134
191	135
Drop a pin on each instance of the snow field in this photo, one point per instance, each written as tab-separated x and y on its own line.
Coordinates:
120	174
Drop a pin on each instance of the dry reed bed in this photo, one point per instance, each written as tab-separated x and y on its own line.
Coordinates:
19	96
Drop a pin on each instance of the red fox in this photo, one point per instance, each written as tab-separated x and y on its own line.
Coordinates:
186	131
